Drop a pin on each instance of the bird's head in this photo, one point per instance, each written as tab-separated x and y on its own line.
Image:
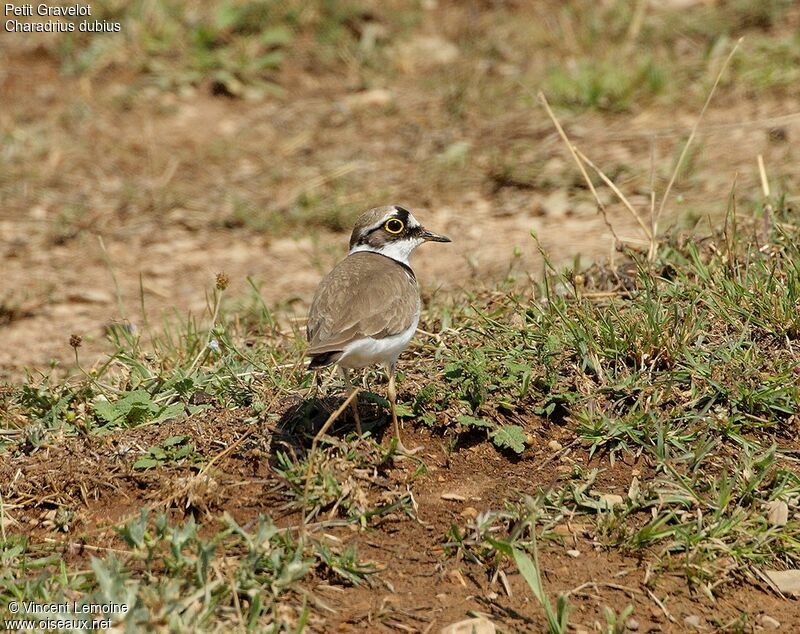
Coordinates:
391	231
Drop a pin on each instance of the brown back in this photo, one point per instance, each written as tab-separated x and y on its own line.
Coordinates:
365	295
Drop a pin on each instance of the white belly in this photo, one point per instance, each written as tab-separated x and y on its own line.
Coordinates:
369	351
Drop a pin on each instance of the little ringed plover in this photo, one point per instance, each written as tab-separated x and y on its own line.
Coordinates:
366	310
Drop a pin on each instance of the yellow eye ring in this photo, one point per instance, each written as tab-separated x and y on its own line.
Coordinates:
394	226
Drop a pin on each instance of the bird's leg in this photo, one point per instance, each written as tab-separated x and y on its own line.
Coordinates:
354	403
391	392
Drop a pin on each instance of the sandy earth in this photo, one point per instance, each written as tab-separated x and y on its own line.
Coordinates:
55	286
423	585
179	185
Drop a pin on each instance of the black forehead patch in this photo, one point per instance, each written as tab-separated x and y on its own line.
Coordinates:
402	213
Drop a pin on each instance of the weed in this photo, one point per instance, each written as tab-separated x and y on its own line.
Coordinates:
557	619
346	480
172	449
173	575
604	84
616	623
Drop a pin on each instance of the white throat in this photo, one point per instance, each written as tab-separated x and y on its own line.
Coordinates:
399	250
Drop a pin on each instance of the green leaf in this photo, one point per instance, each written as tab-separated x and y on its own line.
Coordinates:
183	452
277	36
500	546
472	421
531	574
272	59
107	411
429	418
158	452
10	553
170	411
136	399
227	17
146	463
374	398
174	440
104	576
184	386
557	622
511	437
404	411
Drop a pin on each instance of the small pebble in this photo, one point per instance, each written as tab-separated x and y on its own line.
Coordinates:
453	497
769	623
479	625
778	513
632	624
692	621
574	553
611	500
555	445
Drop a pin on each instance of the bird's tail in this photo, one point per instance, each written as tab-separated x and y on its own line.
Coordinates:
324	358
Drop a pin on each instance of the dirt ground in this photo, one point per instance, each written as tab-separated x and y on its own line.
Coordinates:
108	208
421	586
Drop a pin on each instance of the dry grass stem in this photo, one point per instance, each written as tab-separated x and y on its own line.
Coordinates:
579	163
626	203
312	452
693	133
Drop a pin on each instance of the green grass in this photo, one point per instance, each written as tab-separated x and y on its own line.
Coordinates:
617	59
588	55
346	481
687	364
691	365
582	55
701	331
695	519
236	48
186	576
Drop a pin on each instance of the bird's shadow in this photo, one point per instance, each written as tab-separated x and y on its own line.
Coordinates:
303	418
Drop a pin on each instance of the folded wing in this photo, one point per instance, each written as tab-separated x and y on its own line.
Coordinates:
365	295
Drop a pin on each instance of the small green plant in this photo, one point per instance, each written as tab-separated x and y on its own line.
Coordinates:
509	437
558	618
134	408
343	481
230	573
605	84
172	450
615	623
469	376
484	543
503	436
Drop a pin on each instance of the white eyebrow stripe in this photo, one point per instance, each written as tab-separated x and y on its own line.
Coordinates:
376	226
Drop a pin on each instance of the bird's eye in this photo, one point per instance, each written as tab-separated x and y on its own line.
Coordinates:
394	226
